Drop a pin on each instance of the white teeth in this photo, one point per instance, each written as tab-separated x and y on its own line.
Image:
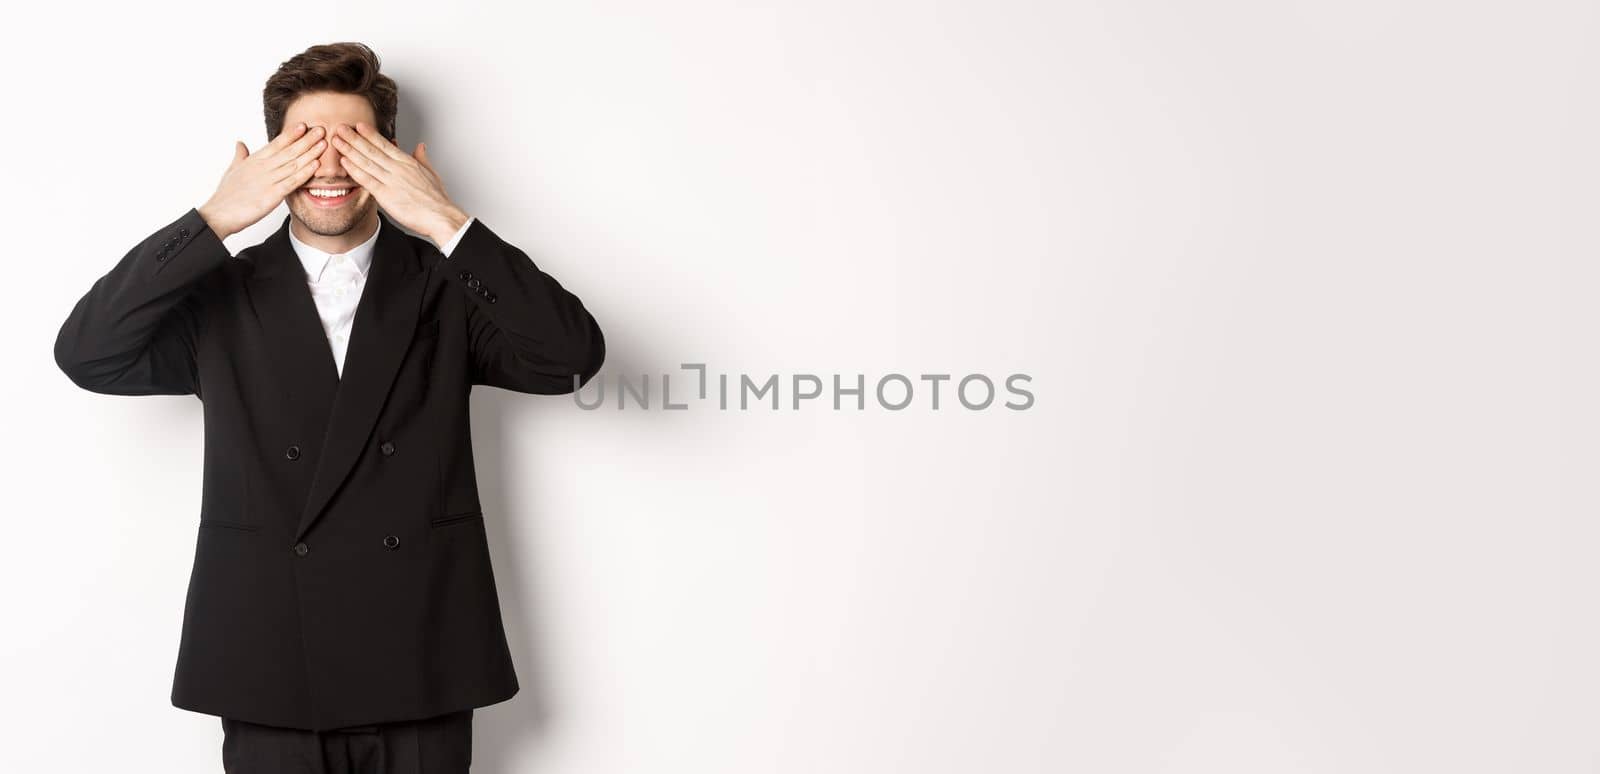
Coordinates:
327	193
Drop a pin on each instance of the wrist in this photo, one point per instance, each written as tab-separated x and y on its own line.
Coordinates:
209	215
450	220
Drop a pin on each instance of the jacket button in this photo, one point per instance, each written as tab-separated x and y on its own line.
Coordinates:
293	452
465	274
472	283
301	549
490	297
387	448
390	541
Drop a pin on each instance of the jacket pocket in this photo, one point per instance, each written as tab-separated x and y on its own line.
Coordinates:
221	524
456	518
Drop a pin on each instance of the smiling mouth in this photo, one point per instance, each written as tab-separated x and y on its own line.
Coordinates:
328	196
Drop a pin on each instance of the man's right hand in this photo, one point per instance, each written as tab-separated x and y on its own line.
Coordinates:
255	183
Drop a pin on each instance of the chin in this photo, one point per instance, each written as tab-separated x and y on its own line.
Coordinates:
330	223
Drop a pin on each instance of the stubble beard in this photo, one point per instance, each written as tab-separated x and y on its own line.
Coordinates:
331	223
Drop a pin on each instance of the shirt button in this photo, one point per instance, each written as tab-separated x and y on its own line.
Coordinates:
387	448
301	549
391	542
293	452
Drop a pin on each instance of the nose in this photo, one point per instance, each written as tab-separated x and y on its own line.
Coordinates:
329	167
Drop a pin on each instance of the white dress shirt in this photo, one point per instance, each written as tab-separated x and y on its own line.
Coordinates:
336	282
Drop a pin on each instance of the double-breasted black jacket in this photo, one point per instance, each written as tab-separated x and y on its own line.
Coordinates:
341	570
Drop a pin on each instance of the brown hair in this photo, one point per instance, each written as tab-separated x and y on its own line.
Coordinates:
345	68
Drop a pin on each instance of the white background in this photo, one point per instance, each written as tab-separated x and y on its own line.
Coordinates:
1304	288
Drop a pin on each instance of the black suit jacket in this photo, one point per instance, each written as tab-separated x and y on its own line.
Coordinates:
341	570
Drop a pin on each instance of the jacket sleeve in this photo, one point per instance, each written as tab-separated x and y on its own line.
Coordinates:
525	332
134	331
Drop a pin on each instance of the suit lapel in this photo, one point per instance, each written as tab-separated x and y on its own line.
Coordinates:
303	366
385	320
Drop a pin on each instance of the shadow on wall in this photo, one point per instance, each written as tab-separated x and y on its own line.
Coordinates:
508	731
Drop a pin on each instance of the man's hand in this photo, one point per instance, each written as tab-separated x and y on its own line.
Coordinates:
256	183
405	186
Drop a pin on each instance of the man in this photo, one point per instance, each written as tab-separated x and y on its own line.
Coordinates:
342	612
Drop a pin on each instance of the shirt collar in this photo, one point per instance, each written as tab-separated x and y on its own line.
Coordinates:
314	260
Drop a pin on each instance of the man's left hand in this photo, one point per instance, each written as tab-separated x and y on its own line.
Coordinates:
406	186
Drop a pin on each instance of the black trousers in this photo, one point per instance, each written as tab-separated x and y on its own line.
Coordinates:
437	745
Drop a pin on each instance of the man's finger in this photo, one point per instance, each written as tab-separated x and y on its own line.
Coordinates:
373	151
351	145
303	171
311	137
422	158
356	157
285	138
371	134
350	142
360	175
294	165
365	165
291	159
